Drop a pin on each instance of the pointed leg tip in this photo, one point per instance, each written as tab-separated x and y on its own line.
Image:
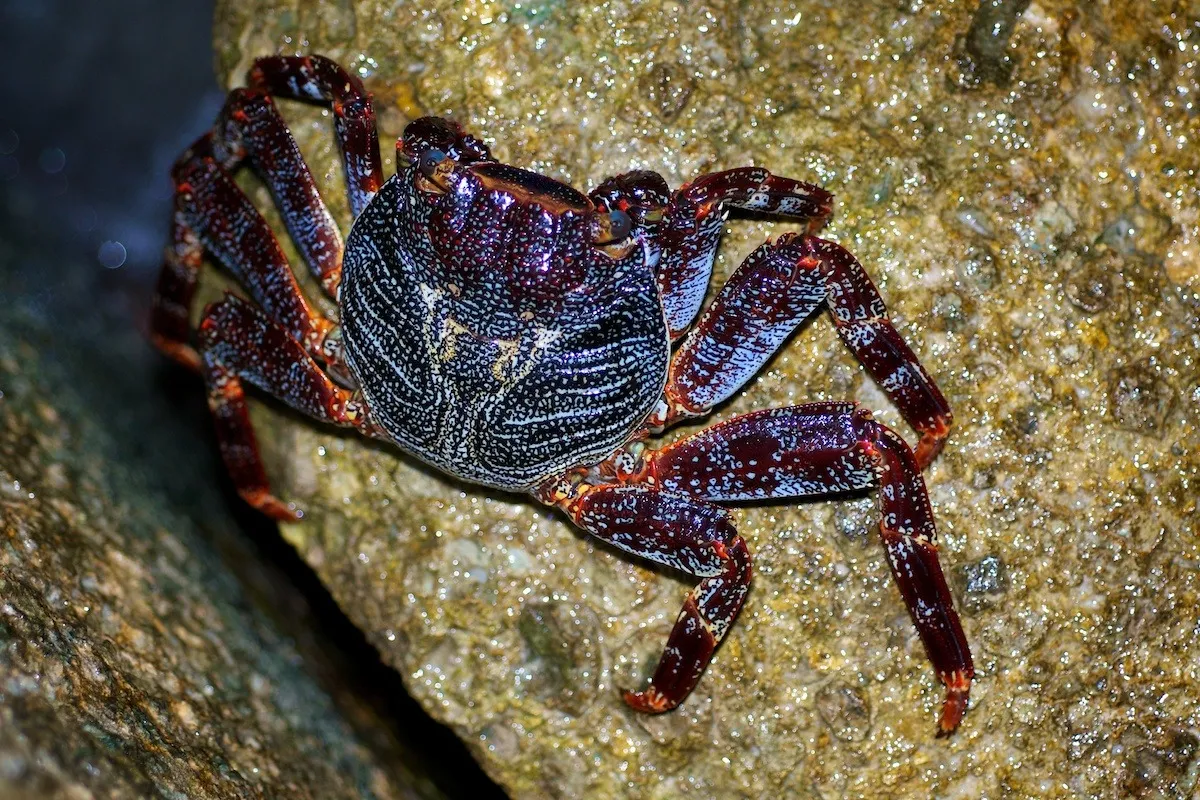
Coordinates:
932	441
273	507
954	707
651	701
927	452
285	513
179	352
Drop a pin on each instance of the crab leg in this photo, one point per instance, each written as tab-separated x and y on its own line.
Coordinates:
170	326
250	128
213	213
694	537
239	343
316	78
779	286
692	224
831	448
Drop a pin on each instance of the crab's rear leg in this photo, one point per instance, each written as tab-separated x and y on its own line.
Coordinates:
212	213
676	531
779	286
690	221
170	314
821	449
318	79
239	343
250	129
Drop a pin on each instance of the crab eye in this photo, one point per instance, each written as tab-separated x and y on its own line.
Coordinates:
437	170
620	224
611	227
430	160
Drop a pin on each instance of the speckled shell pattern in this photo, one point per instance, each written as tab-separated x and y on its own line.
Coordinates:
489	336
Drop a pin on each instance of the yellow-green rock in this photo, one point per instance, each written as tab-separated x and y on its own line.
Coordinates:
1029	210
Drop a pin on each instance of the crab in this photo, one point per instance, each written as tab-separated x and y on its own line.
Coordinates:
517	334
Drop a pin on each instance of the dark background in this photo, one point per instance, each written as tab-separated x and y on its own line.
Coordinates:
97	99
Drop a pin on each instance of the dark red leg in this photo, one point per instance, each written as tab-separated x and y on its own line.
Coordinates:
862	321
693	537
170	326
250	128
820	449
239	343
779	286
210	210
317	79
692	224
762	303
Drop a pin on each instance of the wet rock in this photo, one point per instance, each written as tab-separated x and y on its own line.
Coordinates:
844	709
1141	399
132	663
981	194
667	89
1024	421
984	580
948	309
1090	278
986	576
985	54
565	666
1168	771
978	270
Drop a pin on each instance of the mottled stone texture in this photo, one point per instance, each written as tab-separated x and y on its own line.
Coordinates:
132	663
1030	213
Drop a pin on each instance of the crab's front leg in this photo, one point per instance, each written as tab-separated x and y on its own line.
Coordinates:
212	213
671	529
687	224
822	449
778	287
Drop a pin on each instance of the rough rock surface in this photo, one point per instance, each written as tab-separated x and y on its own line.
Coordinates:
132	662
1028	206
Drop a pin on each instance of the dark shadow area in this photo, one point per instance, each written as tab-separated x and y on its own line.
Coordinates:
98	100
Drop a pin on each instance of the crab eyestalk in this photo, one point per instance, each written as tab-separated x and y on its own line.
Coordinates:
610	227
436	167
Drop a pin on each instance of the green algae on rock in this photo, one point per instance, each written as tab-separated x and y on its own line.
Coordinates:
1033	229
